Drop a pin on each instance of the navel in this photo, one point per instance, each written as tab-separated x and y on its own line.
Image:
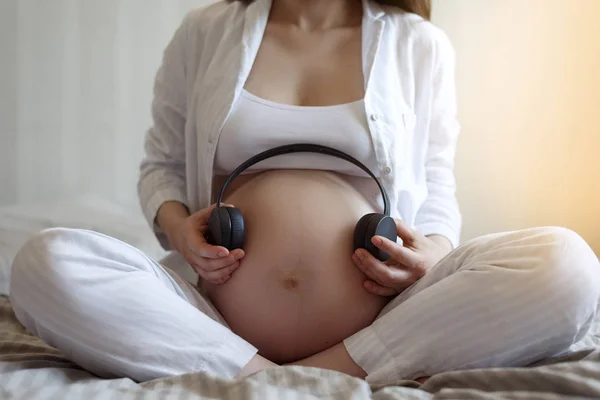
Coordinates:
291	283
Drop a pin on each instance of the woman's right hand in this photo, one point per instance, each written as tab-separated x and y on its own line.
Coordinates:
214	264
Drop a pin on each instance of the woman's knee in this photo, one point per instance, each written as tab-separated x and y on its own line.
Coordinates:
571	272
554	265
567	254
545	250
59	258
38	278
40	258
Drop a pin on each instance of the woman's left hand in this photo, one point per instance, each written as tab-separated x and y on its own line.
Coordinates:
408	262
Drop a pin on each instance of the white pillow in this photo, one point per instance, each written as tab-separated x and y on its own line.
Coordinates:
18	223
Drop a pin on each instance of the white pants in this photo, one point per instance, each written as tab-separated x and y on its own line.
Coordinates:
507	299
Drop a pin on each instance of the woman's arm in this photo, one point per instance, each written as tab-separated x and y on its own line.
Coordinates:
437	121
169	218
162	171
438	221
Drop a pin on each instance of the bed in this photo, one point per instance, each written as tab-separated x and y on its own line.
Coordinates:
29	369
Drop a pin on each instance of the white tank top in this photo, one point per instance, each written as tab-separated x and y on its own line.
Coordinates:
256	125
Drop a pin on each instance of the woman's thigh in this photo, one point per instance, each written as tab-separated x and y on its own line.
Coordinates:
518	261
116	312
507	299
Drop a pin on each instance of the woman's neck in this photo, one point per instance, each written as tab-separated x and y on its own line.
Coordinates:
317	15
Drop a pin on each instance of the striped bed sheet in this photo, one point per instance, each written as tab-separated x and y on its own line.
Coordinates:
29	369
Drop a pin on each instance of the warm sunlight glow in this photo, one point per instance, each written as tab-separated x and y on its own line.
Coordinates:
529	90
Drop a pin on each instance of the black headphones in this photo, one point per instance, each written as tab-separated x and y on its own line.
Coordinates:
226	224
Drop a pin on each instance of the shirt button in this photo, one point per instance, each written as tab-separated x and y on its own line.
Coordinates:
387	170
374	117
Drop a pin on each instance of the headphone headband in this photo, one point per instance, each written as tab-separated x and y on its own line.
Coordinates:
303	148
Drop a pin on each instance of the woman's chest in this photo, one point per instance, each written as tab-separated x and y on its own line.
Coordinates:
308	68
372	70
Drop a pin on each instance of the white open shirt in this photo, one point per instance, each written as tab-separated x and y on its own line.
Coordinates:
410	100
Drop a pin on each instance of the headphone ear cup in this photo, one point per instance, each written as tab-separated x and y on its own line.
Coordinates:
372	225
219	228
360	231
385	227
238	232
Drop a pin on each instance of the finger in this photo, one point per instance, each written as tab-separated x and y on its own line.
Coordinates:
379	272
215	276
406	257
404	232
205	250
202	249
209	264
379	290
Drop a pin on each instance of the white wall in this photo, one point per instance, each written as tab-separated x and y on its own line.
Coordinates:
529	92
76	84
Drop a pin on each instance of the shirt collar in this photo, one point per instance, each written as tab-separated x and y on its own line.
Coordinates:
372	10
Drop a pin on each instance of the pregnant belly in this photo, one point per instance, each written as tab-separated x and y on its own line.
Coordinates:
297	291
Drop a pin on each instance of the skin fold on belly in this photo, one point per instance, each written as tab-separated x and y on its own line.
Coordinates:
297	291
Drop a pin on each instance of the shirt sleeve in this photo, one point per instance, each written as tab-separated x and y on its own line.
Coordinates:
440	213
162	170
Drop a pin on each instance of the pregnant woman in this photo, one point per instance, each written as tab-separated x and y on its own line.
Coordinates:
373	80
